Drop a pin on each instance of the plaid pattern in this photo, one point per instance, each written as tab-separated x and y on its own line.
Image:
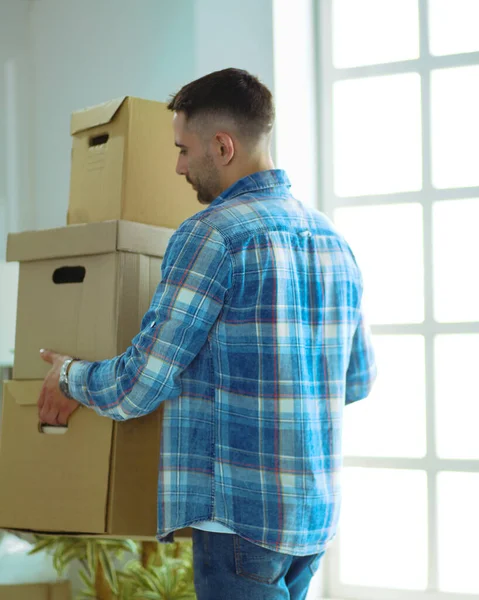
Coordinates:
254	342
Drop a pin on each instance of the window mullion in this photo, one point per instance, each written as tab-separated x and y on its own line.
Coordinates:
431	455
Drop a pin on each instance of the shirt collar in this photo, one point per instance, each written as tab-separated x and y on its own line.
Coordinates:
262	180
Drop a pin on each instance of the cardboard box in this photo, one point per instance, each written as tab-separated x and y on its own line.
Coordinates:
83	289
123	166
99	477
37	591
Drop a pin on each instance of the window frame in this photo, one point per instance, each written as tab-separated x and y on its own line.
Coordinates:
327	75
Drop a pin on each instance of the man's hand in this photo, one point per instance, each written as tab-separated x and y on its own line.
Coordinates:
53	407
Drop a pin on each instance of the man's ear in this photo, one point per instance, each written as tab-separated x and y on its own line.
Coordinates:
225	148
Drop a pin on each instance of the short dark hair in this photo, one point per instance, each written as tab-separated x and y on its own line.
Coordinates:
234	93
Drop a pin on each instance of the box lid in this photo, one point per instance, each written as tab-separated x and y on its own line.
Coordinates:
87	239
95	115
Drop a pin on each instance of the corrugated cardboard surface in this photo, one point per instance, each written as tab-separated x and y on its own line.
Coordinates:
130	175
92	319
39	591
99	477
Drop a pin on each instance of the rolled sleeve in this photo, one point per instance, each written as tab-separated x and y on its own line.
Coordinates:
196	277
76	381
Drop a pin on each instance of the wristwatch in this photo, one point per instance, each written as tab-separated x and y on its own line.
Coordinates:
63	381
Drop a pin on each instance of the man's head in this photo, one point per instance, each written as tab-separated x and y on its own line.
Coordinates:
223	124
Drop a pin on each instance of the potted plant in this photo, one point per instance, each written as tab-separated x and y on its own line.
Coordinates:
156	571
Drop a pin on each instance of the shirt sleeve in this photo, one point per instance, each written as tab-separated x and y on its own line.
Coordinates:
196	277
362	370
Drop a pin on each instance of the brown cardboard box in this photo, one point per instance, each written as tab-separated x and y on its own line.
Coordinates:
123	166
37	591
100	476
83	289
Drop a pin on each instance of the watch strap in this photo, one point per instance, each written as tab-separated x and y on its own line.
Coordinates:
63	380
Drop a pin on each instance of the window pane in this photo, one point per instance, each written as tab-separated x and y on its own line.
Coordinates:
456	248
457	406
387	241
367	32
453	26
383	533
455	126
458	522
391	422
377	135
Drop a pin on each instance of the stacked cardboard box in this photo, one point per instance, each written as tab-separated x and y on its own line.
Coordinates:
83	290
123	166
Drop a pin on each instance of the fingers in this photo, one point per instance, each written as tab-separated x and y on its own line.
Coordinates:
48	415
56	412
41	399
48	356
64	415
47	409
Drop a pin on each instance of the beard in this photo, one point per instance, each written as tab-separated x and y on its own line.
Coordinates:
205	180
205	196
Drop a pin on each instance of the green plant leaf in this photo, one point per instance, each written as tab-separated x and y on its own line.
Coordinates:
108	569
169	576
89	583
43	545
91	556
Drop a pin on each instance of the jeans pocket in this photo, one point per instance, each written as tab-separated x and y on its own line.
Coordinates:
257	563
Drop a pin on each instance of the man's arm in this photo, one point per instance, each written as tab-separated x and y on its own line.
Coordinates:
362	370
197	273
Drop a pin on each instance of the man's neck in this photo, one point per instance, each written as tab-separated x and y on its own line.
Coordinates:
265	164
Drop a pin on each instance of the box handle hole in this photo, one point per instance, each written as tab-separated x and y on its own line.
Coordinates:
69	275
98	140
52	429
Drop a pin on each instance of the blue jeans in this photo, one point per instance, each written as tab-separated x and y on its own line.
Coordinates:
227	567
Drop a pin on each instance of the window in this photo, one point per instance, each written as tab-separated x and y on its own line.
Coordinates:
399	91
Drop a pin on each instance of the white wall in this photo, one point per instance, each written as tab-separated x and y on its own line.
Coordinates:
15	128
15	124
91	51
234	33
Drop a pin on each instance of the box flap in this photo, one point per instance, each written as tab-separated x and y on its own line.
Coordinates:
95	115
88	239
25	393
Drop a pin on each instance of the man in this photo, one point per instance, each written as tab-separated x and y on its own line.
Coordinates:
254	342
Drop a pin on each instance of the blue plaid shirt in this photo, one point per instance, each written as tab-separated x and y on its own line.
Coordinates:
254	342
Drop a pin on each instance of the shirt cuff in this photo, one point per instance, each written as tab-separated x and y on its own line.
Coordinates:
77	380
